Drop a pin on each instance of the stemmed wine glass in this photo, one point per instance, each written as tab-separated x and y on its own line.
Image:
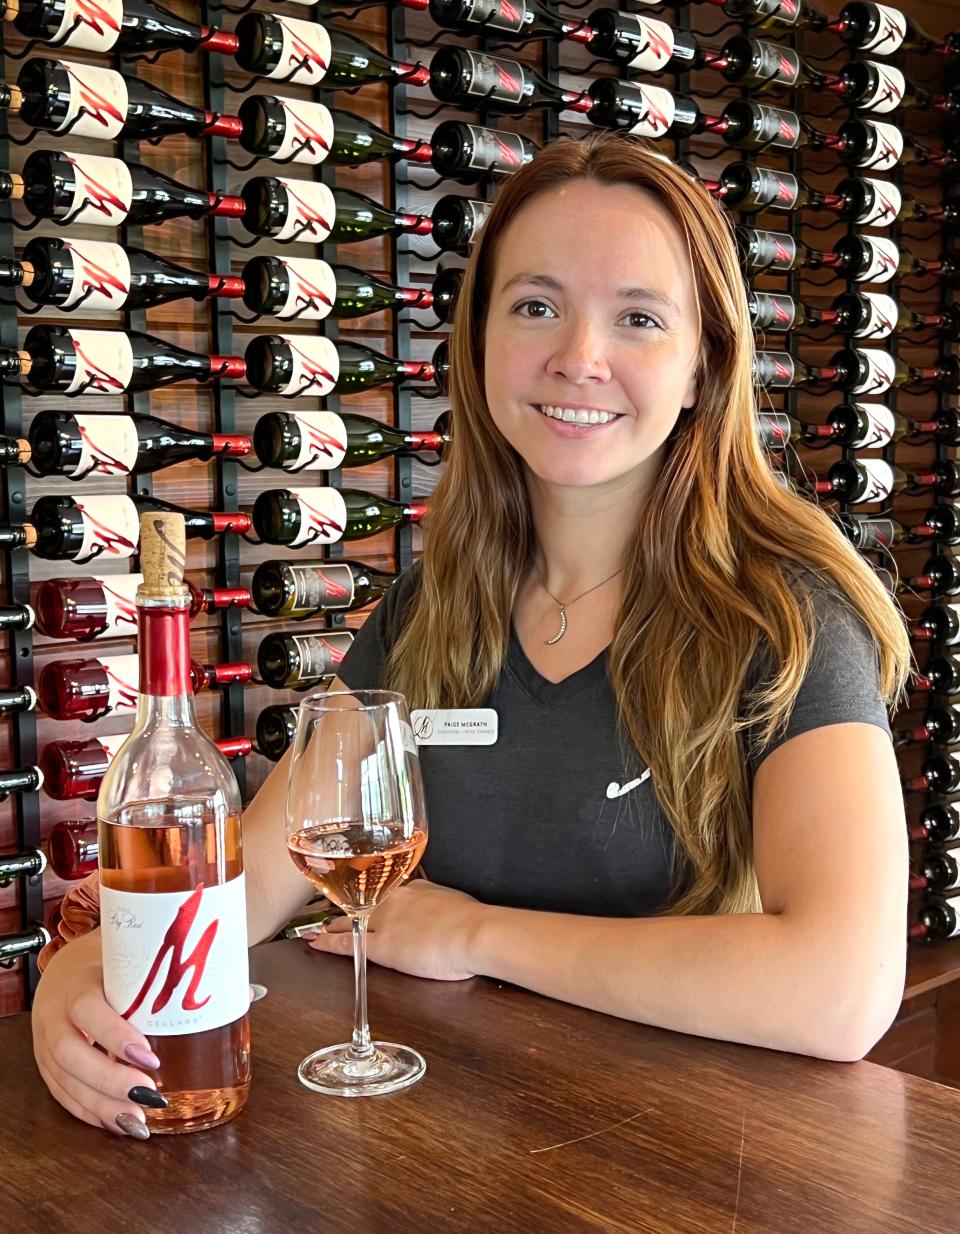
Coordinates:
356	826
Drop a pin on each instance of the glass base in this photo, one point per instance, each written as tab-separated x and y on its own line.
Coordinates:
337	1071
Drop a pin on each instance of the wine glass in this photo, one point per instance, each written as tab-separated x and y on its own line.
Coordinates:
356	826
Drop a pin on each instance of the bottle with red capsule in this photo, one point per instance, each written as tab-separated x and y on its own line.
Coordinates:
130	27
938	623
309	289
940	774
303	364
466	78
939	724
287	210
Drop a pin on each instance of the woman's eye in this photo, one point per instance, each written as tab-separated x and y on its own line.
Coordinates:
640	319
538	308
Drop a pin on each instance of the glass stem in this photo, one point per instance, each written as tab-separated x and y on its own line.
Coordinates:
361	1047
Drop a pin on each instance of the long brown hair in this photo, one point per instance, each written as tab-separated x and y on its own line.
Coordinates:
711	571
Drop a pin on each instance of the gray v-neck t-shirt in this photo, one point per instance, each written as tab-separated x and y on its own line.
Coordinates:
556	815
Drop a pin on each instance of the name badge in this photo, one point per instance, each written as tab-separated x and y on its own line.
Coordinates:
461	726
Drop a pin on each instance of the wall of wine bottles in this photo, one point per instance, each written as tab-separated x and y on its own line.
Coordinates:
230	245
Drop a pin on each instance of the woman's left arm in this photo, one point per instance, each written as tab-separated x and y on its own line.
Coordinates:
820	971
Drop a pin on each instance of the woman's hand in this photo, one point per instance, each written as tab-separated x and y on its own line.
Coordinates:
421	928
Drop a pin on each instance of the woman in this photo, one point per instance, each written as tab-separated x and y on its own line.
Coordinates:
691	814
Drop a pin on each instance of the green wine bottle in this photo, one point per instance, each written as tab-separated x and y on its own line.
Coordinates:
305	589
297	517
323	440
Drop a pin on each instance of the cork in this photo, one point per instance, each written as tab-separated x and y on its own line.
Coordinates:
163	554
16	99
29	273
24	450
17	189
11	9
26	364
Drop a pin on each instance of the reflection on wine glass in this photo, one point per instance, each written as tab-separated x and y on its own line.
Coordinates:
356	826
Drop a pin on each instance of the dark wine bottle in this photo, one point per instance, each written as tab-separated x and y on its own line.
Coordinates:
307	589
465	78
301	364
20	780
858	426
643	44
874	145
939	623
862	481
309	210
29	864
872	315
308	289
297	661
27	942
131	27
522	19
457	222
468	152
766	14
884	30
276	729
324	440
873	535
16	699
297	517
301	131
95	274
940	774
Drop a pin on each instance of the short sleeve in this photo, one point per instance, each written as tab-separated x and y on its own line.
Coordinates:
842	683
362	667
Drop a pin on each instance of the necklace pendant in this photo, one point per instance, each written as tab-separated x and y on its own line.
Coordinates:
563	628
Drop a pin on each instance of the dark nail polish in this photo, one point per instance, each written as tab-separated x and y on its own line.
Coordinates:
129	1124
148	1096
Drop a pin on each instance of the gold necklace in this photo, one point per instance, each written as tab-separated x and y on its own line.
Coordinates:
563	607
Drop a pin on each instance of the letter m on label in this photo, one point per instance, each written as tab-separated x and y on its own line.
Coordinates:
173	946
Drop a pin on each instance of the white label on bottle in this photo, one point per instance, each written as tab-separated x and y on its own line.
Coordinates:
879	480
109	445
104	362
111	527
890	33
879	370
103	190
655	42
878	431
884	259
316	365
323	441
311	211
881	317
658	110
307	132
98	102
888	148
883	204
311	289
93	25
120	596
123	681
479	212
305	51
323	516
320	655
888	91
175	962
101	275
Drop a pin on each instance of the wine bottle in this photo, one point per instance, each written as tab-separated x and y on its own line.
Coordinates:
468	152
22	535
876	203
309	210
858	426
83	529
298	661
87	100
764	14
874	479
940	675
862	259
466	78
104	605
300	131
297	517
523	19
643	44
867	202
109	361
940	774
941	577
300	364
869	371
16	617
940	872
770	311
75	769
323	440
288	49
457	222
311	588
872	535
938	623
94	274
873	145
939	724
20	780
869	314
29	864
941	823
27	942
15	699
72	848
111	445
943	426
171	854
884	30
940	522
276	729
131	27
107	192
308	289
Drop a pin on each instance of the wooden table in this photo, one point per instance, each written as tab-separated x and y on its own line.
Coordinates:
534	1118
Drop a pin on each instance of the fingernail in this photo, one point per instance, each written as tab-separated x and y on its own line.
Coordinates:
143	1058
148	1096
257	992
129	1124
308	938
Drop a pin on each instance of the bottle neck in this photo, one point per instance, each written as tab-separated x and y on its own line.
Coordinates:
166	689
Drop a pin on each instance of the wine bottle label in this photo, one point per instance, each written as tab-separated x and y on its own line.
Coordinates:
311	289
493	149
890	32
111	527
323	442
108	444
654	42
112	744
477	214
878	480
316	366
874	534
878	427
101	275
773	428
495	14
888	147
773	63
493	77
175	962
307	132
769	250
97	103
123	681
323	516
784	12
320	654
305	51
774	370
104	362
657	108
311	211
882	204
326	586
881	316
877	371
772	312
102	192
120	597
772	188
884	258
93	25
887	91
773	126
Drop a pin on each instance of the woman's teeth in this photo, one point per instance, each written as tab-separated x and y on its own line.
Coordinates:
569	416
